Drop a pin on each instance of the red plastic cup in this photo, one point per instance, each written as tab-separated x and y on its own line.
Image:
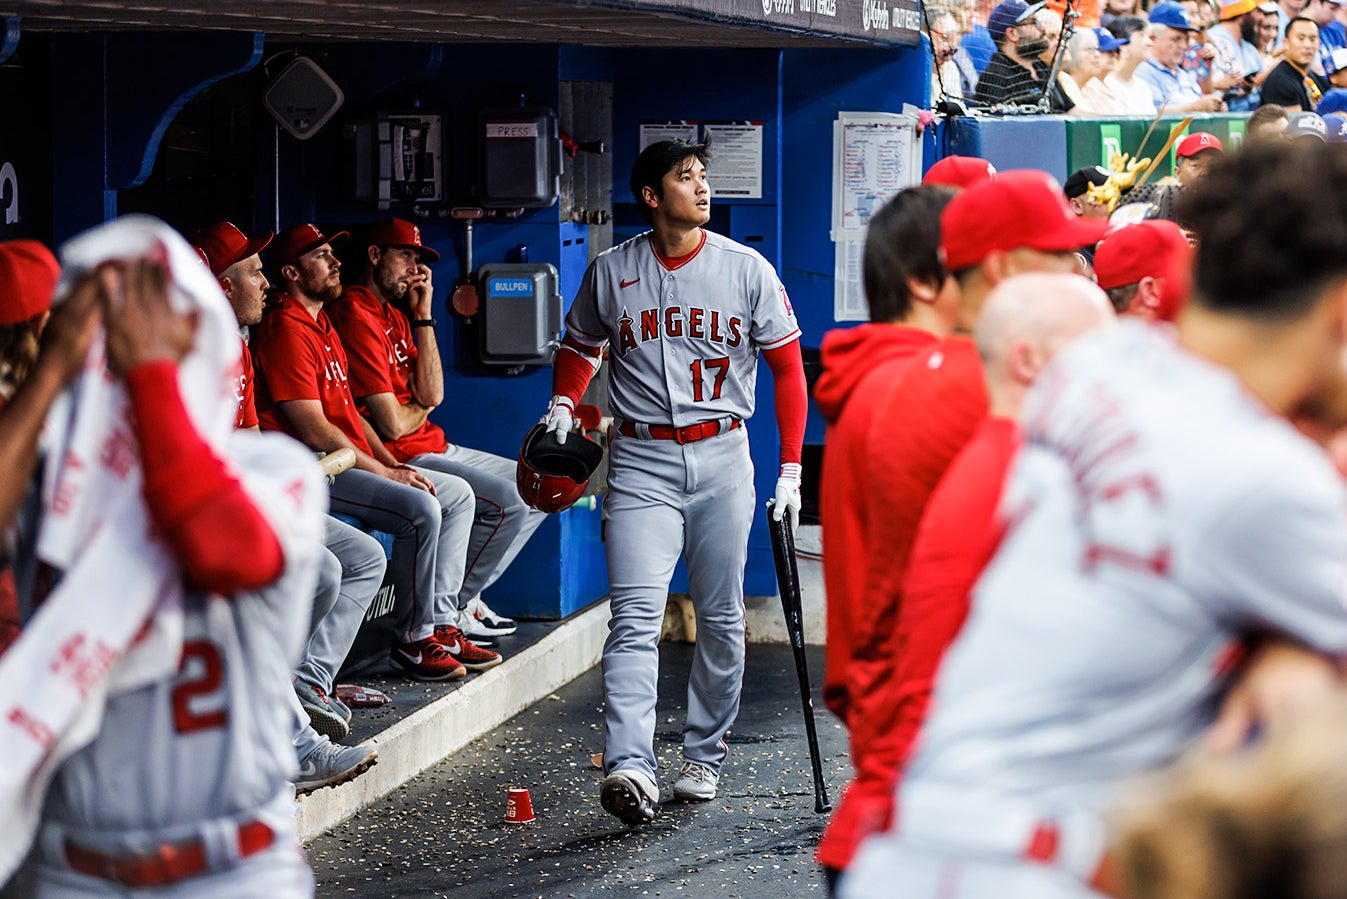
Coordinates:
518	807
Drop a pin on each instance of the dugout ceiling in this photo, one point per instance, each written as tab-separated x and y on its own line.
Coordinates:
624	23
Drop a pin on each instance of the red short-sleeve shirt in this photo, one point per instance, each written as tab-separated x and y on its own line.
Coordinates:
378	340
244	391
299	357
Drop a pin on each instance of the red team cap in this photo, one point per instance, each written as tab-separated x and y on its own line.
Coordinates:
960	171
394	232
298	240
222	244
28	276
1016	209
1198	142
1138	251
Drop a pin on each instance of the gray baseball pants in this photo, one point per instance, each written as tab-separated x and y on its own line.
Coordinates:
666	500
430	540
357	561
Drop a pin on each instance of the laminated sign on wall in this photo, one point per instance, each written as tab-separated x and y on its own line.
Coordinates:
875	155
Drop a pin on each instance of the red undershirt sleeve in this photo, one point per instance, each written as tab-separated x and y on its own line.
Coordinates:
792	401
216	533
572	369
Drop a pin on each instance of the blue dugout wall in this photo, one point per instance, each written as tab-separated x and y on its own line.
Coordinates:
100	107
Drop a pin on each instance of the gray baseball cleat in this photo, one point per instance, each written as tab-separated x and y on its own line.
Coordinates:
630	795
329	765
696	783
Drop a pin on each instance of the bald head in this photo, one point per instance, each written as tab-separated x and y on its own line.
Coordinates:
1026	320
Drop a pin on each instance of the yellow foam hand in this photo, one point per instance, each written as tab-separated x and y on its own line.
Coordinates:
1107	194
1125	170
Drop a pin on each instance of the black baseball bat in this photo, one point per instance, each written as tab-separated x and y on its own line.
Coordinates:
788	579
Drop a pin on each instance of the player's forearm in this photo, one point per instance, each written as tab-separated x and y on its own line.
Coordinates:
321	435
21	422
427	380
217	534
382	457
392	419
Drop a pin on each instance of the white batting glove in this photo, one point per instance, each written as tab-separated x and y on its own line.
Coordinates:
560	417
788	494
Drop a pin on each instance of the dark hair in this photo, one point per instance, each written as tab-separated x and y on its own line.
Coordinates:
1122	297
903	244
19	347
1302	19
1126	26
1268	112
1271	222
656	161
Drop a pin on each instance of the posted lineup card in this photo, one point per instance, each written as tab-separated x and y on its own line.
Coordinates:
875	155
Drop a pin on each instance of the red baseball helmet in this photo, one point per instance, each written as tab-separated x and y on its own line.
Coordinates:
551	476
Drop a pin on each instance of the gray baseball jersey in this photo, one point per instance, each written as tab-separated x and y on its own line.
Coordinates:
1156	513
214	742
683	341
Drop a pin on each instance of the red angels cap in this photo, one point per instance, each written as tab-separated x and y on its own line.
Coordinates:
396	232
28	276
222	245
959	171
297	240
1132	252
1024	208
1197	142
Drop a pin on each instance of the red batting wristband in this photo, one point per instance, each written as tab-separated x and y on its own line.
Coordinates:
216	533
792	399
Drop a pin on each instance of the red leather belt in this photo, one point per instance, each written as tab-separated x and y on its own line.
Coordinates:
168	864
686	434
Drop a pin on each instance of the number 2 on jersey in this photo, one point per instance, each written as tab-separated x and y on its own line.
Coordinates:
721	366
198	702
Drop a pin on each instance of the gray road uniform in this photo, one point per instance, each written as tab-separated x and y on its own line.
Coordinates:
195	770
683	348
1153	520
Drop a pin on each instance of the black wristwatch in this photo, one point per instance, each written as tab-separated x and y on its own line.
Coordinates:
424	323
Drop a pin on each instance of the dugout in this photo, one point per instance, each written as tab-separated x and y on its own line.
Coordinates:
117	107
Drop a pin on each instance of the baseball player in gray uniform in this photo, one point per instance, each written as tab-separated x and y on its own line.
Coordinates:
683	313
183	790
1153	521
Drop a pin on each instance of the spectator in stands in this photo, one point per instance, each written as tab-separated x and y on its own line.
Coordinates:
945	38
1268	122
1173	89
977	42
1236	61
1016	74
1324	13
1292	84
1113	9
1052	33
1099	97
1133	263
302	389
388	333
1079	67
1132	95
1076	189
1197	58
1335	70
1308	126
1335	124
1285	11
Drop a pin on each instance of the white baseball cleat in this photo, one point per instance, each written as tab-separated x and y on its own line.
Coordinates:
696	783
630	795
489	622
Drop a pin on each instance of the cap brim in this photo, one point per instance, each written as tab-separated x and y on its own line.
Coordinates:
1029	13
427	254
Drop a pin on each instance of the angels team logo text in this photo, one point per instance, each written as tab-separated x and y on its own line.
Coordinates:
696	323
